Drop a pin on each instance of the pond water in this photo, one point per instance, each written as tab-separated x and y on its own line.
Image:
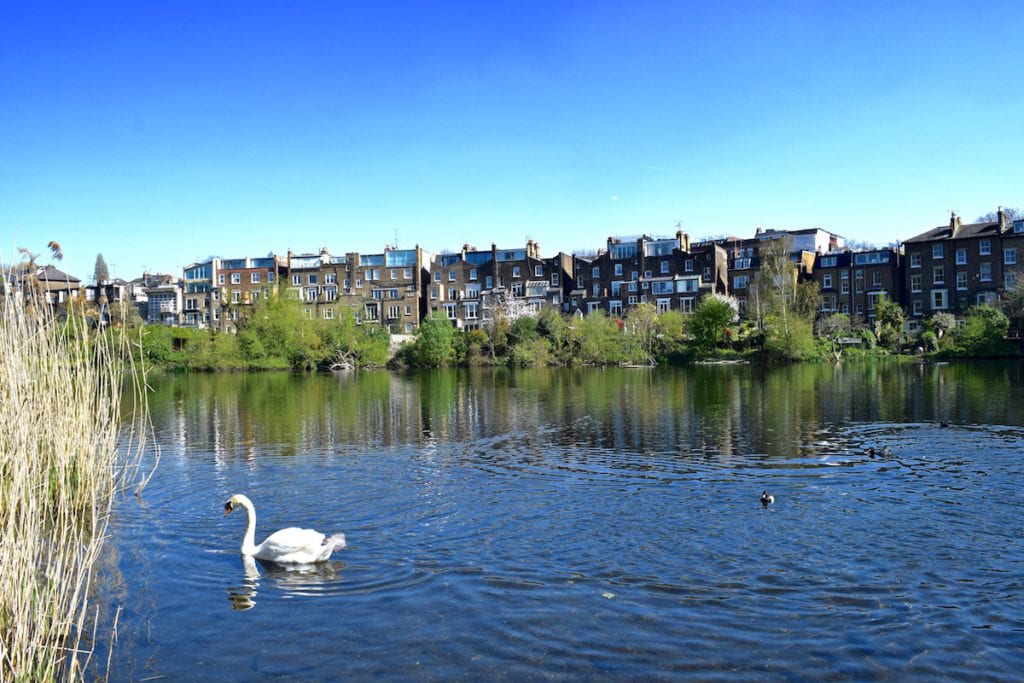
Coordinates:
582	524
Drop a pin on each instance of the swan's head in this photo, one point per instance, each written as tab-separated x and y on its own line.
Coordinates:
235	501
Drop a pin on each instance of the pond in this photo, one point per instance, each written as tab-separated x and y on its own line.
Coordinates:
582	524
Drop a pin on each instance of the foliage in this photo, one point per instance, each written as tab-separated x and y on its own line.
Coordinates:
941	323
67	454
792	341
100	272
983	334
713	315
833	328
433	343
598	340
888	323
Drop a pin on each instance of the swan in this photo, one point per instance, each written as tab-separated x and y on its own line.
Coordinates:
290	546
767	498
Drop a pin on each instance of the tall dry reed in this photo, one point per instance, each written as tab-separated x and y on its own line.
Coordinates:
67	447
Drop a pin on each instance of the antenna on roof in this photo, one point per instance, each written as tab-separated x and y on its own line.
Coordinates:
395	245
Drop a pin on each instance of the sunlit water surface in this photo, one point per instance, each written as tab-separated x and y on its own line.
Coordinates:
582	524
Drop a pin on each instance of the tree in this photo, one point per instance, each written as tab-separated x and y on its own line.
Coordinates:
983	332
942	323
888	323
833	328
100	272
992	216
713	315
433	345
642	324
774	290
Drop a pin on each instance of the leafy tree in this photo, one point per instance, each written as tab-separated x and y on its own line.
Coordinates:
100	272
642	324
124	313
713	315
888	323
774	288
942	322
433	344
983	333
599	339
833	328
793	340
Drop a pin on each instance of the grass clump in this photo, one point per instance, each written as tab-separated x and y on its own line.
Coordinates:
68	445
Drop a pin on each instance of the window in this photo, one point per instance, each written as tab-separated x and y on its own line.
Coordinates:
936	251
1018	227
939	301
1009	279
407	273
844	275
740	281
296	279
664	305
915	283
394	312
828	261
631	300
985	247
359	284
616	288
618	269
664	267
329	313
348	284
555	279
595	272
451	276
472	310
938	275
437	276
661	287
876	278
489	281
220	279
986	272
236	296
472	273
860	286
270	276
1010	256
988	298
596	289
330	293
686	304
741	263
331	279
961	280
515	271
312	278
915	259
826	281
844	287
688	265
961	256
517	289
538	270
433	292
615	307
236	278
254	278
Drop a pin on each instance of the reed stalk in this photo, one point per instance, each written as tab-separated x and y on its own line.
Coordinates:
68	446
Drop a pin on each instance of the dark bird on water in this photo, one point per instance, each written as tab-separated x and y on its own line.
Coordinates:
767	498
885	452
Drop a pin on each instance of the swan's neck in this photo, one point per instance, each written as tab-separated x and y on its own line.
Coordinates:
249	540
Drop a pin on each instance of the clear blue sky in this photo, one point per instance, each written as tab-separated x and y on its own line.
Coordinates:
159	132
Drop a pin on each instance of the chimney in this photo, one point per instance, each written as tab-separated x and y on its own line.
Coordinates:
1001	217
684	241
954	224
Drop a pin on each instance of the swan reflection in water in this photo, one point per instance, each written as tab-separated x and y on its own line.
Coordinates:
298	579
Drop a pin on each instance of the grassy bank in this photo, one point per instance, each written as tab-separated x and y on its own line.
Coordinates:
66	450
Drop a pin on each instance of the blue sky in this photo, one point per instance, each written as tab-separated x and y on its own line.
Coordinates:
161	132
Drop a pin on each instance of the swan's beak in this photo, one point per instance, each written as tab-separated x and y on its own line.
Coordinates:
227	508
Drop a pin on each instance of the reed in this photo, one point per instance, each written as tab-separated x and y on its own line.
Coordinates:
68	446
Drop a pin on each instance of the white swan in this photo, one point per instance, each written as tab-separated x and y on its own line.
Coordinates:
291	545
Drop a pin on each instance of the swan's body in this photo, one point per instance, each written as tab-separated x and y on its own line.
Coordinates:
767	498
290	546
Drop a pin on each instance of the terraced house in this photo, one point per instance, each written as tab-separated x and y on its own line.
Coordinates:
668	273
953	267
853	282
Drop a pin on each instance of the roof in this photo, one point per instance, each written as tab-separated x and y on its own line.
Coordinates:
965	231
51	274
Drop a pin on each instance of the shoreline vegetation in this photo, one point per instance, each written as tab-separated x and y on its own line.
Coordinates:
277	337
73	430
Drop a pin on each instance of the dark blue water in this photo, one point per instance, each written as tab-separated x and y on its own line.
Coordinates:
583	525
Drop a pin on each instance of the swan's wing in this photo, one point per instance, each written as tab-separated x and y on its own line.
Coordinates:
285	543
